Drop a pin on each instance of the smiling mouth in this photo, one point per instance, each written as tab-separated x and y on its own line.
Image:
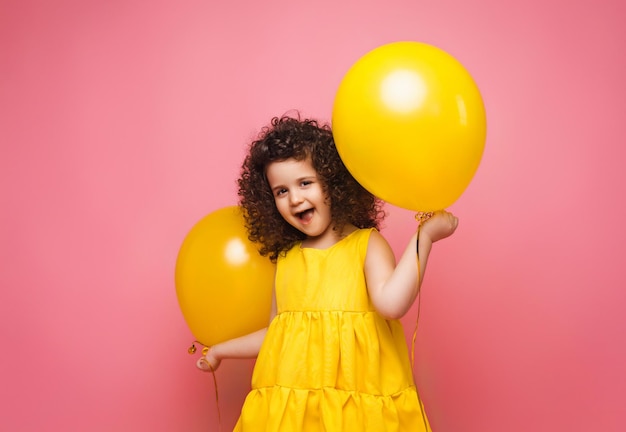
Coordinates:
305	216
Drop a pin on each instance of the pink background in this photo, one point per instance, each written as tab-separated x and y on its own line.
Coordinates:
122	123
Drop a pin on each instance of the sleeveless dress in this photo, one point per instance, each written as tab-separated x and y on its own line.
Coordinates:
329	361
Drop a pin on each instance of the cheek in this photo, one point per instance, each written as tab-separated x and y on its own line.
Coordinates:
323	197
281	207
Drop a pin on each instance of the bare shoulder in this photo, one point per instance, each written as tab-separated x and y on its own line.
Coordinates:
377	240
378	251
379	265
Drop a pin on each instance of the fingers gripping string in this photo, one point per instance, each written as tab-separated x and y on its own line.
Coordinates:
420	217
204	362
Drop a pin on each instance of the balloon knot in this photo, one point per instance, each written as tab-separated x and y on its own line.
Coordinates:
422	217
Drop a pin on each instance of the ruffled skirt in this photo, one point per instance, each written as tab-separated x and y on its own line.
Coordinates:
333	371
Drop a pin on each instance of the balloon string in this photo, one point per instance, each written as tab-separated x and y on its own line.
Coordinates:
419	303
421	217
217	400
205	350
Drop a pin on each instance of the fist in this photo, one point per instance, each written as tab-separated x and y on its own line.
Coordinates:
442	224
208	362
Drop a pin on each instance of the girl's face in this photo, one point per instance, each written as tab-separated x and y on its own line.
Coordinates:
300	198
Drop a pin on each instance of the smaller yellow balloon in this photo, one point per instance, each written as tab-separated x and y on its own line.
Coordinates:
224	286
409	124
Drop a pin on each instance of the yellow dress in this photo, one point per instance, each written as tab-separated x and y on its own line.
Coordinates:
329	361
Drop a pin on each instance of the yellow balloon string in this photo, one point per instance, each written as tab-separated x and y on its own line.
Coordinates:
203	360
419	304
420	217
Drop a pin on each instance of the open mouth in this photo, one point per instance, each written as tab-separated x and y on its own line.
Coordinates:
305	216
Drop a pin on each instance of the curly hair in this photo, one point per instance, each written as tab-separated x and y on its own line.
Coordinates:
288	137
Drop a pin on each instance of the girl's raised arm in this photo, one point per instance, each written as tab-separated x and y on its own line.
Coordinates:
392	288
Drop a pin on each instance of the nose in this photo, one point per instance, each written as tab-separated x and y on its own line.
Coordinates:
295	197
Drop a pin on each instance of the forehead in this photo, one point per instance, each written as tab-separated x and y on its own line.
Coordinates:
289	170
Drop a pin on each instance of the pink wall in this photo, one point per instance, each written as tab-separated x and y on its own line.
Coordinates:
122	123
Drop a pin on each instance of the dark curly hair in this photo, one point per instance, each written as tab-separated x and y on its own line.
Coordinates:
288	137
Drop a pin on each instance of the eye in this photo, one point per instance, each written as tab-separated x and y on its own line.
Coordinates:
306	182
280	192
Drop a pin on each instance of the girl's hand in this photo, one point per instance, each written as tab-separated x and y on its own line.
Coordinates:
441	225
208	362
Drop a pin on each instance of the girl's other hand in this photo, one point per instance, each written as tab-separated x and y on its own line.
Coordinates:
442	224
208	362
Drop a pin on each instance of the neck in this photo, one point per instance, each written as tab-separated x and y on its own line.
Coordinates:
329	238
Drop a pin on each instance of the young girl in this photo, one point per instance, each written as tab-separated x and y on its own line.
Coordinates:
334	355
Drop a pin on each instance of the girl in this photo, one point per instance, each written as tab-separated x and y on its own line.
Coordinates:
334	356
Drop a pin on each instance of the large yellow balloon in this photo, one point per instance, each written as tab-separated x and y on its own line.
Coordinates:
409	124
224	286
